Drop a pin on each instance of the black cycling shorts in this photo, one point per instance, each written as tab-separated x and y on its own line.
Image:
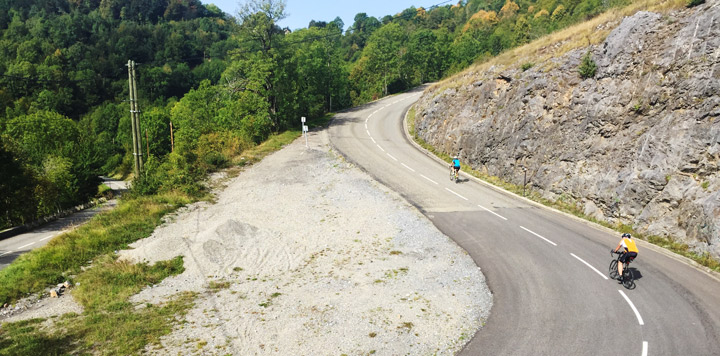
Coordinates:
627	255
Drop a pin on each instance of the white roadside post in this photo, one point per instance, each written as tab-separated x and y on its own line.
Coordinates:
305	131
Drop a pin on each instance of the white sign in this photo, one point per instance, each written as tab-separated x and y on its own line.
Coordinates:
305	128
303	119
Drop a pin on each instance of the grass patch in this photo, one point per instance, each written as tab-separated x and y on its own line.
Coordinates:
24	338
277	141
111	282
104	191
63	257
110	324
407	326
216	286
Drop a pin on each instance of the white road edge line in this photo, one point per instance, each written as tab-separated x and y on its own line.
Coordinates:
456	194
22	247
406	166
392	157
587	264
492	212
6	253
429	179
637	314
373	140
645	348
368	132
550	242
381	148
49	237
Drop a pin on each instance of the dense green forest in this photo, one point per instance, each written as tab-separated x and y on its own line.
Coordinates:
225	83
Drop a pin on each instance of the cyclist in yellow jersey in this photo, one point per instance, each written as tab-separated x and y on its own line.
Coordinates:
629	252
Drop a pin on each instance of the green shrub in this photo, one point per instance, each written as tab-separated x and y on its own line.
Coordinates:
527	66
587	66
692	3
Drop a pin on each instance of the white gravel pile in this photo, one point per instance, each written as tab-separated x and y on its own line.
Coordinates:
313	257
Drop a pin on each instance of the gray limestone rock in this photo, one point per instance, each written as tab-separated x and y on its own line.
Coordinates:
638	144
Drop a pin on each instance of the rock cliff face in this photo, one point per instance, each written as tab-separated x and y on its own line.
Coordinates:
638	144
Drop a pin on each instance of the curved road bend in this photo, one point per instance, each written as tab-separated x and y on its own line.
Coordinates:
547	271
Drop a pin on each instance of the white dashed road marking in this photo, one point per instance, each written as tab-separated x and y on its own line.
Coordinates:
456	194
587	264
406	166
548	241
492	212
22	247
429	179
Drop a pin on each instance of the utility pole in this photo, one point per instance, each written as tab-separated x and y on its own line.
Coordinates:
135	122
137	118
172	139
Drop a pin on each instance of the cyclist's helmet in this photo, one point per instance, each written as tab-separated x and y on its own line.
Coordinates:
626	236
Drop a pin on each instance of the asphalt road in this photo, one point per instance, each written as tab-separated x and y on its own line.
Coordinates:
11	248
547	270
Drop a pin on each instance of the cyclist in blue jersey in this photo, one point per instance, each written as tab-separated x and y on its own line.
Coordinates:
455	166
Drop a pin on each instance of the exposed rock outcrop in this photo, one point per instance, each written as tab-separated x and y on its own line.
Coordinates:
637	144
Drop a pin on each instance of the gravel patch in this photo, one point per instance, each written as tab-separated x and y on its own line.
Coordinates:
303	254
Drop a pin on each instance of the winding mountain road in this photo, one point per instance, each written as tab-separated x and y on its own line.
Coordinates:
547	270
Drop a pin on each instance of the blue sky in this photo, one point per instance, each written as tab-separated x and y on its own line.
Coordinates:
302	11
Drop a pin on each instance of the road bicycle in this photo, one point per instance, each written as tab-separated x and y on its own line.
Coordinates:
627	278
454	175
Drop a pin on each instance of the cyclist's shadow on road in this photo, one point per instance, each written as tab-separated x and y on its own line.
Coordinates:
637	275
462	180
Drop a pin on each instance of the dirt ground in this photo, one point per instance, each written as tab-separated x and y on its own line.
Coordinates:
304	254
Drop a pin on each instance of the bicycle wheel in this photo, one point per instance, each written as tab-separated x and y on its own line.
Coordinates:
612	271
628	281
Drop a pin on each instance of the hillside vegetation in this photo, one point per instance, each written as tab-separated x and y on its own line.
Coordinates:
225	83
614	119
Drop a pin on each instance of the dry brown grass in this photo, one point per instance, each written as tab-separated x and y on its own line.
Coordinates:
591	32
